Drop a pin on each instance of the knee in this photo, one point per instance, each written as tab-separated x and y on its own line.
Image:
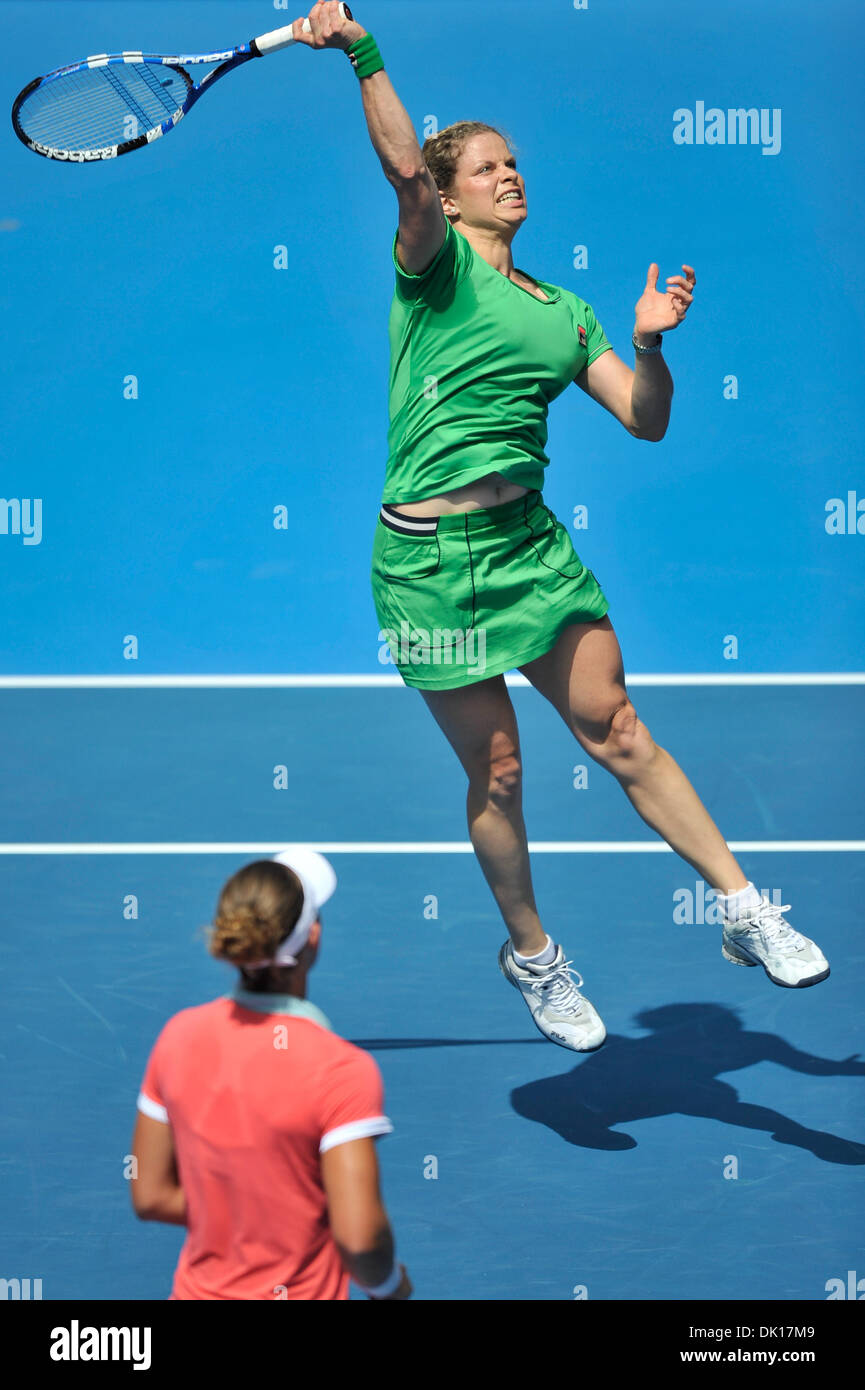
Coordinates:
501	781
627	740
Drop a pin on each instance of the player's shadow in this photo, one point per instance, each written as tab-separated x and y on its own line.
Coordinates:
675	1071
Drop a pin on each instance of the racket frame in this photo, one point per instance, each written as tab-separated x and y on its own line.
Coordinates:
228	58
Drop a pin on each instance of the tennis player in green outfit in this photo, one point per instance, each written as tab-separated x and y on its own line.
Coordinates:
472	574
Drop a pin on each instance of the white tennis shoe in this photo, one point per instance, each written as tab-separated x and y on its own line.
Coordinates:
761	936
552	993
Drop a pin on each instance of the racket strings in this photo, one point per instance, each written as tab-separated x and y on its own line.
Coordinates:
97	107
125	93
160	84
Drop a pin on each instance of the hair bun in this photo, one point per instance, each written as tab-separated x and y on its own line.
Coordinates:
243	936
257	909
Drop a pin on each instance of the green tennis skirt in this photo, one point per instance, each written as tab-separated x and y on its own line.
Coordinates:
464	597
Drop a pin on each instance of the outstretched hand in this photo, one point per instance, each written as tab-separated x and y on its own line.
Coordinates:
658	311
329	28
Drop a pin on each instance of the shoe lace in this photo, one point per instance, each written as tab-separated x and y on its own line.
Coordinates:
769	921
562	990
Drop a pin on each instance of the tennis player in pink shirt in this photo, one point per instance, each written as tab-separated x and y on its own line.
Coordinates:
257	1124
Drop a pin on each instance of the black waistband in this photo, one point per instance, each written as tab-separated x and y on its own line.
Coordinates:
478	519
408	525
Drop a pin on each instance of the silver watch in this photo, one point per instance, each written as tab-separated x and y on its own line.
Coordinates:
645	351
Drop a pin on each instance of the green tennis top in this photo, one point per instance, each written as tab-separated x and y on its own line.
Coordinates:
475	361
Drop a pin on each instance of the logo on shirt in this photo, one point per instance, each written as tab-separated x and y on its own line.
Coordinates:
582	332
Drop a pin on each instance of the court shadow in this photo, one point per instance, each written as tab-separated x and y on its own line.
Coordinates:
674	1071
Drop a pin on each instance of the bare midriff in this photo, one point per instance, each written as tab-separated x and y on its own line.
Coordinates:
490	491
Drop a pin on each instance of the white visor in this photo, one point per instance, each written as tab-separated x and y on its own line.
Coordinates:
318	881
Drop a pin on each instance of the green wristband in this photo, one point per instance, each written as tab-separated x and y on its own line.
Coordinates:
364	56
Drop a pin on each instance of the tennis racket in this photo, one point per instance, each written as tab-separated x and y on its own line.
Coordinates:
112	103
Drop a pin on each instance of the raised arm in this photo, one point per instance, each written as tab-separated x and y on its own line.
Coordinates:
640	398
422	223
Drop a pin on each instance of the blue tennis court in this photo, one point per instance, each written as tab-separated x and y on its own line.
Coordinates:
710	1150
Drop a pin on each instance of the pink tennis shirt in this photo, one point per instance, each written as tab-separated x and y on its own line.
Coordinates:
256	1087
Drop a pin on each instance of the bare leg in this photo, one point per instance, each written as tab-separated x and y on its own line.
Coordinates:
584	679
480	724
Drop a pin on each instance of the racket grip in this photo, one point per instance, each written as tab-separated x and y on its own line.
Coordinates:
281	38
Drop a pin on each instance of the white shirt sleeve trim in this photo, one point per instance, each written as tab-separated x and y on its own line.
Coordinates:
149	1107
357	1129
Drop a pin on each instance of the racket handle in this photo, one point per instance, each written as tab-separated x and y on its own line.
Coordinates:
281	38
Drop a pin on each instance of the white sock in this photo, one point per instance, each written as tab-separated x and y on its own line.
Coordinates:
733	904
544	957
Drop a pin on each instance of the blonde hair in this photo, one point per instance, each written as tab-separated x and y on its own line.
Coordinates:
257	909
442	152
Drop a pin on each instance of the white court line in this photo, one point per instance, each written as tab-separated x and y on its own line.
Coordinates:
391	681
427	847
